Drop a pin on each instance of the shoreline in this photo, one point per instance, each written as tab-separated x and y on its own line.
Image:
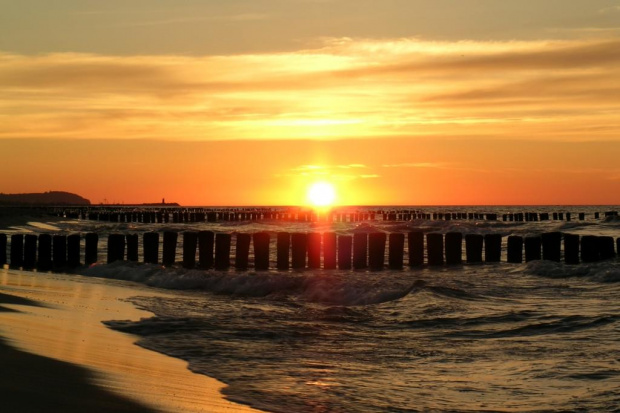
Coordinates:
53	323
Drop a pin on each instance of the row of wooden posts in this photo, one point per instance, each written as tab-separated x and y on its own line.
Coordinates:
188	216
303	250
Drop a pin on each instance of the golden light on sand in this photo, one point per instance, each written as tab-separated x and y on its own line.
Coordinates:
321	194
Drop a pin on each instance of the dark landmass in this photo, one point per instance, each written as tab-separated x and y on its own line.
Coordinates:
45	198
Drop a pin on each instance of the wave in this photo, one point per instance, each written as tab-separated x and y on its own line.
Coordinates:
604	272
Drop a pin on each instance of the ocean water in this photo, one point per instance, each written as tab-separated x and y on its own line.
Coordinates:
538	336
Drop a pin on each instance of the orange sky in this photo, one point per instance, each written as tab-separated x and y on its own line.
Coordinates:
211	105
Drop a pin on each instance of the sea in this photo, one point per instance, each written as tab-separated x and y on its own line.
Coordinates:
540	336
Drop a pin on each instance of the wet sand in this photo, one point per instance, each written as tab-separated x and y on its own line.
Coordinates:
57	356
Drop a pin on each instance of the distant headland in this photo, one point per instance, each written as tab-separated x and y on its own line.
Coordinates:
43	198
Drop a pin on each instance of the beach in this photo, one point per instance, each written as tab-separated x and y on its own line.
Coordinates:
56	354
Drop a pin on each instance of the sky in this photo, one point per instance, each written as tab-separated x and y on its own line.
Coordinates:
249	102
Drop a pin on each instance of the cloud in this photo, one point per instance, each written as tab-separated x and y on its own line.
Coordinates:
416	165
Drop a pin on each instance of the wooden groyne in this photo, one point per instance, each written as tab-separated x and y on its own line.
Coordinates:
360	251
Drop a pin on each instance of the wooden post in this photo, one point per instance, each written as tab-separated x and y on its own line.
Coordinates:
261	251
170	248
132	247
415	240
345	243
360	250
434	248
190	242
454	248
589	248
551	246
606	248
532	248
74	250
376	250
314	250
3	243
17	250
329	251
492	247
59	251
116	248
515	249
396	250
44	262
283	246
30	251
206	241
150	244
222	251
242	251
571	249
473	248
299	243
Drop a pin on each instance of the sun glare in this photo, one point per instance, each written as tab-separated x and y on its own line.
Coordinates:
321	194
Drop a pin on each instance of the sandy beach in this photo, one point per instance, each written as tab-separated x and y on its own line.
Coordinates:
56	355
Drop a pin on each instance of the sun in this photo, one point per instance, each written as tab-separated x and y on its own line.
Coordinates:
321	194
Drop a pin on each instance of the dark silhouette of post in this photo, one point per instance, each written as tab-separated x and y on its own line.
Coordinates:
206	242
283	246
454	248
299	243
345	243
532	248
589	248
396	250
434	248
606	248
30	251
132	247
17	250
571	249
3	244
150	243
415	241
473	248
314	250
59	251
551	246
44	262
116	248
360	250
170	248
376	250
329	251
222	251
74	250
492	247
190	242
261	251
515	249
242	251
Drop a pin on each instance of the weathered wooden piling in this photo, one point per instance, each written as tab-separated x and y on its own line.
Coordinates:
261	251
299	244
551	246
59	251
314	250
190	242
329	250
571	248
415	241
150	244
3	243
360	250
222	251
74	249
589	248
17	250
434	248
396	250
532	248
473	248
44	261
376	250
131	241
206	242
242	251
116	248
170	248
283	246
492	247
454	248
606	248
515	249
345	244
30	251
